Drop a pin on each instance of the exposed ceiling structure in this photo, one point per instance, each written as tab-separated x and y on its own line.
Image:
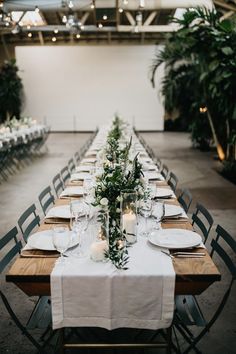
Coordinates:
44	21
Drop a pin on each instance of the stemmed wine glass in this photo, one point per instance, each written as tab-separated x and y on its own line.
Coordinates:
159	213
146	211
61	240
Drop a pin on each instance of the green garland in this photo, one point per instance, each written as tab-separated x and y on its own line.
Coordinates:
120	174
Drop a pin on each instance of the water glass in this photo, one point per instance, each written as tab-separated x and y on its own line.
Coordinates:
159	213
61	240
146	211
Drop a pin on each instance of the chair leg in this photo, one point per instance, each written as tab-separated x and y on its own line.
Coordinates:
20	326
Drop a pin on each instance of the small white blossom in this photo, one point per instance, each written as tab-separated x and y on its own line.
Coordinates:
118	210
104	201
118	198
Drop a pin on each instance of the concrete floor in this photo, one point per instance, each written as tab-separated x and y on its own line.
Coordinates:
195	170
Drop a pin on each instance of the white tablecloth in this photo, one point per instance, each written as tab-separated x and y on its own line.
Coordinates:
86	293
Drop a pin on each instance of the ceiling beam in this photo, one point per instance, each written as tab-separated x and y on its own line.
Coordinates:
225	5
41	39
150	18
130	18
156	28
84	17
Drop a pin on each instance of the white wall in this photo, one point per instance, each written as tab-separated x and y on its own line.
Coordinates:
81	87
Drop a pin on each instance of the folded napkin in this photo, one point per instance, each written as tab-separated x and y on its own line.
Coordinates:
79	176
76	191
83	168
153	176
59	212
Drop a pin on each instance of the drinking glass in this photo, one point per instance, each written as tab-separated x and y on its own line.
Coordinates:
78	231
146	211
76	210
61	240
159	213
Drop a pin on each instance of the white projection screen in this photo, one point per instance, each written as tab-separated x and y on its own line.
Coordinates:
77	88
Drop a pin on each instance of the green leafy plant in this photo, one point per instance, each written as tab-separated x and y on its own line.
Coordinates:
200	78
10	91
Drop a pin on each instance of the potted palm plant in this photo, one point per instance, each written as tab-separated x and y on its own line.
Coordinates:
200	77
10	91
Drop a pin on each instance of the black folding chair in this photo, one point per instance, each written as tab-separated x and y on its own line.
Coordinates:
65	175
9	248
203	220
28	221
185	199
164	171
173	181
57	184
46	199
158	162
71	165
225	247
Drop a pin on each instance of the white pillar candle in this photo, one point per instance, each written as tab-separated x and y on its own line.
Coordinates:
98	249
129	225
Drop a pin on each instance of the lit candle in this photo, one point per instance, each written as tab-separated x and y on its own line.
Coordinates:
129	225
98	249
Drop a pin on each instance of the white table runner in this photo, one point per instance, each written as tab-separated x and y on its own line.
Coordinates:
86	293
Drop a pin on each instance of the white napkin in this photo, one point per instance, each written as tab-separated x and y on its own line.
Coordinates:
72	191
79	176
61	211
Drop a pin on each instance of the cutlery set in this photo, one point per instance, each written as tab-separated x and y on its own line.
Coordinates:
181	254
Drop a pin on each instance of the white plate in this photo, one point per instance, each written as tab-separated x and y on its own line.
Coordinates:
72	191
43	241
164	193
175	238
89	160
62	211
171	210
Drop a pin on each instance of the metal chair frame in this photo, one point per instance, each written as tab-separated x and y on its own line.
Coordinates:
57	184
4	262
200	217
65	174
164	171
223	254
185	199
28	221
173	181
46	199
71	165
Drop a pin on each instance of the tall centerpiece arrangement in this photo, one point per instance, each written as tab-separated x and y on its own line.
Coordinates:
122	172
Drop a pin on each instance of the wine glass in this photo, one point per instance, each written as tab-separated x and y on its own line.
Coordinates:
158	213
145	211
76	210
61	240
78	231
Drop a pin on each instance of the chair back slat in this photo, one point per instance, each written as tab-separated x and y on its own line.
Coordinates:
185	199
71	165
173	181
28	221
203	219
164	171
10	236
216	247
57	184
46	193
65	174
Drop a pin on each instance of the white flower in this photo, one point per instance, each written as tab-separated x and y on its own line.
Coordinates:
118	210
104	201
118	198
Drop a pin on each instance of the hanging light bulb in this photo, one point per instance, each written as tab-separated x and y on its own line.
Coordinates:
28	27
120	10
92	6
104	17
56	30
64	19
100	25
77	35
125	2
71	5
29	34
36	9
54	39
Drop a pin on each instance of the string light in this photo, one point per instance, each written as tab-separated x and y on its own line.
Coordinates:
100	25
71	5
120	10
29	34
1	4
125	2
92	6
36	9
54	39
82	27
56	30
104	17
77	35
203	109
28	27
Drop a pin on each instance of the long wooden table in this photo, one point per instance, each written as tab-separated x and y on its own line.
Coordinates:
193	275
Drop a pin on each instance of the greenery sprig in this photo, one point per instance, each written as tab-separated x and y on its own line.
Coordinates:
120	174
